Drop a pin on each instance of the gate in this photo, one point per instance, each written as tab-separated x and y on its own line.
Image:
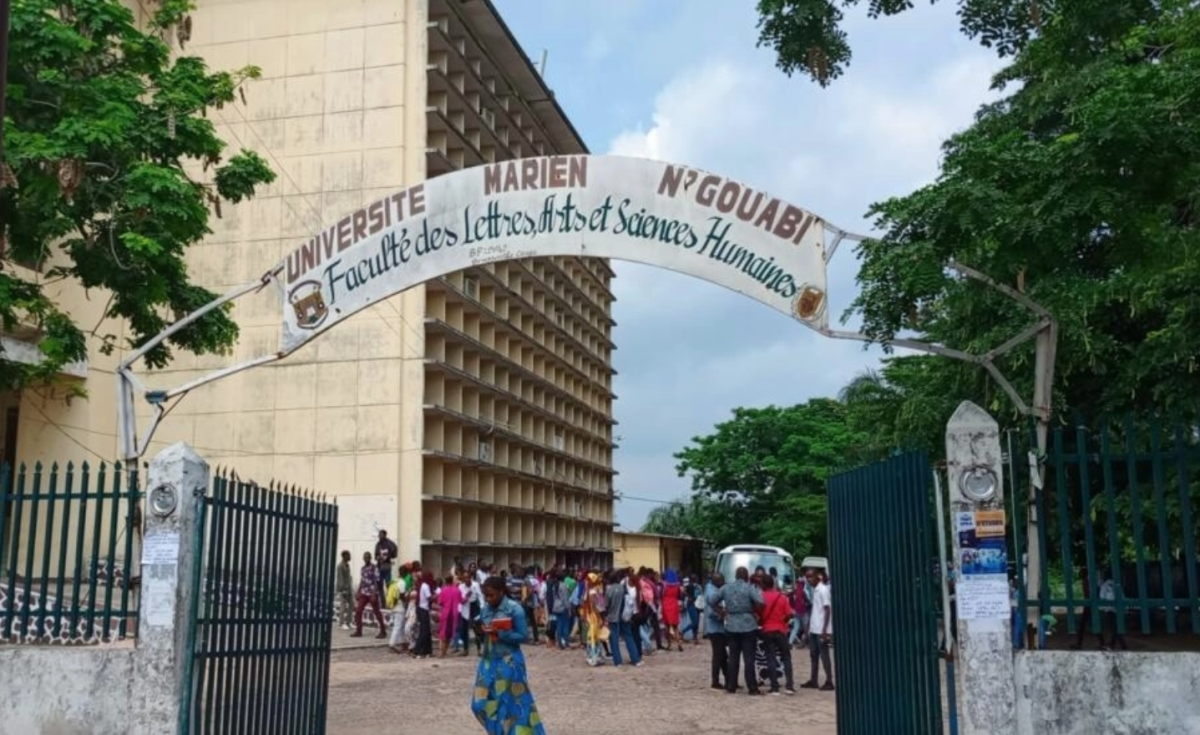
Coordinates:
882	559
260	659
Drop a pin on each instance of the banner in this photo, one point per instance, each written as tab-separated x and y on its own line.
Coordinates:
630	209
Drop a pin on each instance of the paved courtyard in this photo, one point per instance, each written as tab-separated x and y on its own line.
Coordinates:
373	691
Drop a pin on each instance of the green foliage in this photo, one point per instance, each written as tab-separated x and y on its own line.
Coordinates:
1080	188
101	122
807	37
760	477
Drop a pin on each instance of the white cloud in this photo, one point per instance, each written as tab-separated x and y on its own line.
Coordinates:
689	352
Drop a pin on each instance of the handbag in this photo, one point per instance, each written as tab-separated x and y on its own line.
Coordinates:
699	602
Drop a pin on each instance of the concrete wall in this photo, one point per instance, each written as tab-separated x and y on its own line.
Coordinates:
77	691
339	115
1088	693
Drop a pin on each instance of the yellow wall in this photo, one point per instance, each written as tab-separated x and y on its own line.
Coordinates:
339	115
655	552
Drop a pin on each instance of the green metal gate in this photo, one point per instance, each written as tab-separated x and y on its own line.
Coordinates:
260	661
882	563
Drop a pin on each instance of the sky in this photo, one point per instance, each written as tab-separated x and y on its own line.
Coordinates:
684	81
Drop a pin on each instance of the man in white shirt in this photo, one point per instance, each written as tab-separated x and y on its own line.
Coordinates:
820	630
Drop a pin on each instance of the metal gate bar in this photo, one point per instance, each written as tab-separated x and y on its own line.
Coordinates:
884	611
260	664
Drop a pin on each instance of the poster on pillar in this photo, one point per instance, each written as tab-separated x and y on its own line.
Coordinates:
651	212
982	591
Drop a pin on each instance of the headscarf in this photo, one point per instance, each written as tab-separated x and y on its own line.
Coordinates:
671	577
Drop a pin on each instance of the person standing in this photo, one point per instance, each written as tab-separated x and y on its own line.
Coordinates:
801	601
741	599
345	592
398	602
502	702
820	628
776	618
714	629
691	593
560	607
591	616
368	595
385	554
672	599
620	601
423	648
449	602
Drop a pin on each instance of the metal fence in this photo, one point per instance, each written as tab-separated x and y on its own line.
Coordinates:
67	571
882	535
264	626
1118	539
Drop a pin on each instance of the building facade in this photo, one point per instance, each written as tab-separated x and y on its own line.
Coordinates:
470	417
655	551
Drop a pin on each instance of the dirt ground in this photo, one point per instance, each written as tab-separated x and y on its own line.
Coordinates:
373	691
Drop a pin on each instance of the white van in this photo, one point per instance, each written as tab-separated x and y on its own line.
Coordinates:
752	556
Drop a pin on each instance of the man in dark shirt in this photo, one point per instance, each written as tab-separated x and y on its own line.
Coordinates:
385	554
740	600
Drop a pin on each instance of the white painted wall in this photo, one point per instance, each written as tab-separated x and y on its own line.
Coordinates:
1102	693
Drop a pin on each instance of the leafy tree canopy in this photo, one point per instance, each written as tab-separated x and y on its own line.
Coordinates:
760	477
807	35
1082	189
100	122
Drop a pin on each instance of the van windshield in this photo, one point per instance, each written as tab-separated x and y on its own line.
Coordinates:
727	565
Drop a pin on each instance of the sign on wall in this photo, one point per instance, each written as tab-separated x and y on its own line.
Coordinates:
982	589
630	209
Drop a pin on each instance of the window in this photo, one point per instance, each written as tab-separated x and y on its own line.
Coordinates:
471	286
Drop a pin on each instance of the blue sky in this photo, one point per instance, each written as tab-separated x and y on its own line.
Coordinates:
683	81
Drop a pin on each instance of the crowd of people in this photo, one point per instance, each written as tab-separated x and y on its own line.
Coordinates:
596	612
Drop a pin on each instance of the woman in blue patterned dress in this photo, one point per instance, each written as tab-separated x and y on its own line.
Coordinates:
502	701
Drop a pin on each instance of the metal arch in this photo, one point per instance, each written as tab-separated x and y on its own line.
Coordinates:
1044	328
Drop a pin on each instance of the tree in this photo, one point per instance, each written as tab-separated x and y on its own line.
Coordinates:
697	517
101	126
761	476
807	36
1080	188
765	453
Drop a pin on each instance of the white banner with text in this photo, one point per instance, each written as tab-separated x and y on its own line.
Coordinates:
630	209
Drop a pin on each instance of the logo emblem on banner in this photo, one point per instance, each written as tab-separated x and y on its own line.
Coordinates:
810	304
308	304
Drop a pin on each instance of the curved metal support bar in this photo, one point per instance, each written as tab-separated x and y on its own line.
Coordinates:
936	349
129	387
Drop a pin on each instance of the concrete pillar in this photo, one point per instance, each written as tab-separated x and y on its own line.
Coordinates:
177	477
985	653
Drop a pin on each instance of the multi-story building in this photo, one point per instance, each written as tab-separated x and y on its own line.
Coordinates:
471	417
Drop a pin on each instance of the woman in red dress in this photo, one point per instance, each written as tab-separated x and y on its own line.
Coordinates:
671	599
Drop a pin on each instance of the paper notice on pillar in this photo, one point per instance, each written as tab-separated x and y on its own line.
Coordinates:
158	594
982	599
160	548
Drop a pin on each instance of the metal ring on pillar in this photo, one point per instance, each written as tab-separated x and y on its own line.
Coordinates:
163	500
979	483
